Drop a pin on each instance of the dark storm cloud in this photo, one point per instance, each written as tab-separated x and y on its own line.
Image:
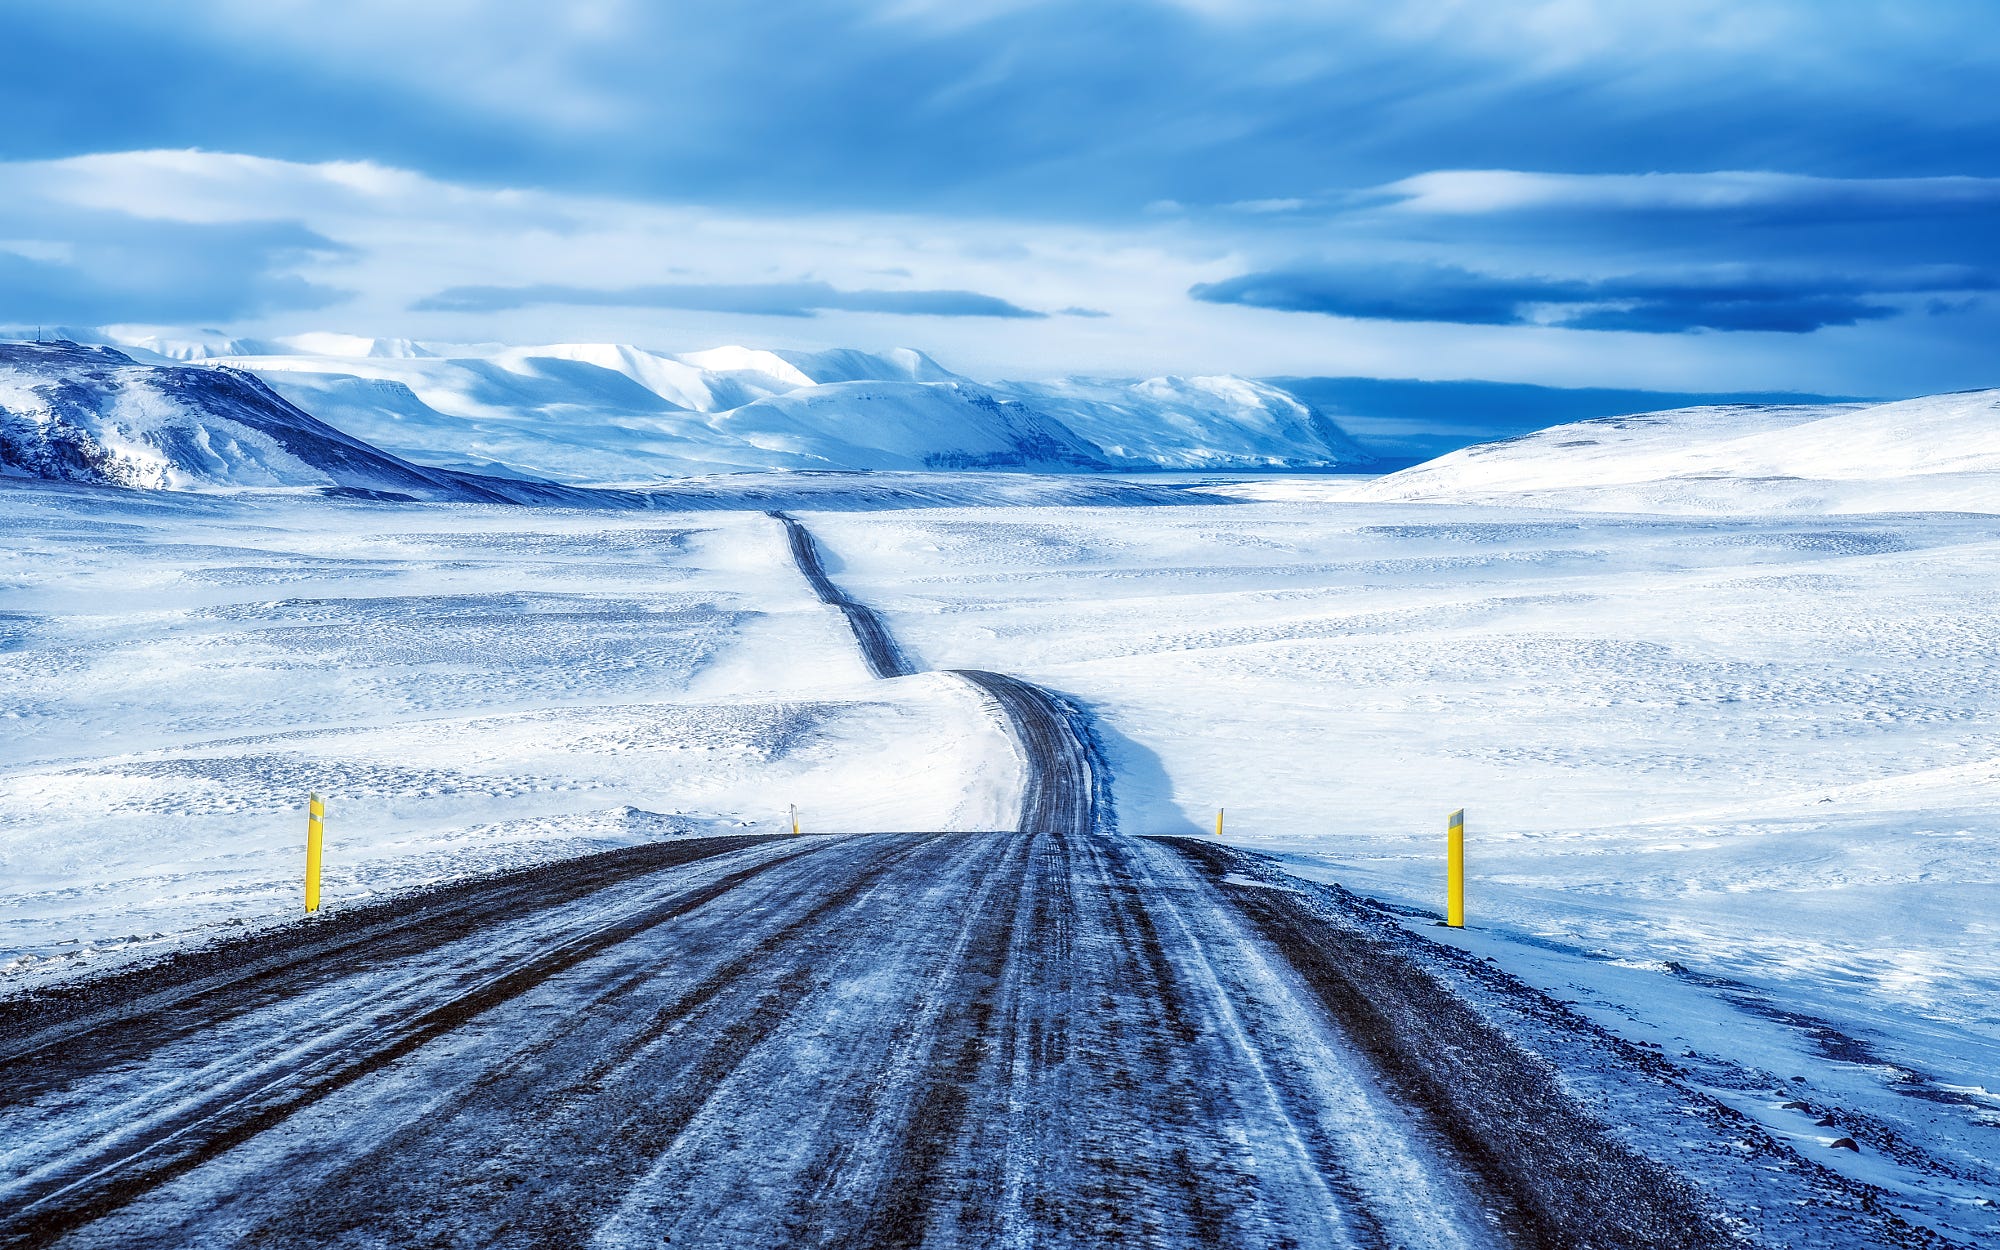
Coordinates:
1097	106
1784	303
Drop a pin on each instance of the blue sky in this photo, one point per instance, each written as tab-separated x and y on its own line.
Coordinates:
1701	195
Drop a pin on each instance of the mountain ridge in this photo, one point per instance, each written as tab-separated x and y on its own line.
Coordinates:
92	415
598	413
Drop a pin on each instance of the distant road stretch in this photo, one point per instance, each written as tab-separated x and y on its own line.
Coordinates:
1062	773
884	658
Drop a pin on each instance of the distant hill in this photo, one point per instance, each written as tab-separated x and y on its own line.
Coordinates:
1937	453
1405	421
177	410
598	412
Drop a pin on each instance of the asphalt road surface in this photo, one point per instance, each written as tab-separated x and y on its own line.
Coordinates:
1042	1037
950	1039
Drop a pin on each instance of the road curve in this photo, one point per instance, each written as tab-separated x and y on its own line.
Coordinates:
1064	782
1064	778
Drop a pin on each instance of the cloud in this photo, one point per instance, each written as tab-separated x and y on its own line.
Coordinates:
763	299
262	247
1476	192
1285	204
112	267
1387	292
1734	300
1091	106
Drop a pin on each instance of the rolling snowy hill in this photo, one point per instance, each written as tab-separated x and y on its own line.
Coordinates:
601	413
1937	453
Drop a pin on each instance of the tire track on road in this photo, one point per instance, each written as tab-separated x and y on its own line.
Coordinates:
165	1130
1149	1036
1336	1129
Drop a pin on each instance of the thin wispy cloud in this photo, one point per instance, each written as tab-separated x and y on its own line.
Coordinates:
1482	191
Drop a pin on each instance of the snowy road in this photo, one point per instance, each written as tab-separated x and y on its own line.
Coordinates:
1038	1037
953	1039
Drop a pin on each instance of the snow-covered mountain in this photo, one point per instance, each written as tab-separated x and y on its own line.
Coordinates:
597	413
73	413
1937	453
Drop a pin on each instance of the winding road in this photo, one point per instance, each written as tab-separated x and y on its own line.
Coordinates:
1045	1037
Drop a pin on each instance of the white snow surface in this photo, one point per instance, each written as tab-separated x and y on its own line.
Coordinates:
1937	453
470	687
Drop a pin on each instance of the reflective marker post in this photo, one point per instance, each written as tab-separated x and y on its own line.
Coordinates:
1454	858
1218	822
315	840
795	820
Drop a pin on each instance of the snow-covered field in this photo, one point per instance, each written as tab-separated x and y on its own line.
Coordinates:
1731	779
1762	751
470	687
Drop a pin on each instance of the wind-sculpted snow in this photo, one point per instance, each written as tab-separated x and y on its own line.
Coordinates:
1030	1031
471	687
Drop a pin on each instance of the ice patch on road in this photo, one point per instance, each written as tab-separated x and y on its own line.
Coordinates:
1237	878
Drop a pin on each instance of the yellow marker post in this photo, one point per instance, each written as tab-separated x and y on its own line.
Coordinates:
795	820
1218	822
1454	857
315	840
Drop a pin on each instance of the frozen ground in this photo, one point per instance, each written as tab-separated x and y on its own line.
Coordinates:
471	688
1719	770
